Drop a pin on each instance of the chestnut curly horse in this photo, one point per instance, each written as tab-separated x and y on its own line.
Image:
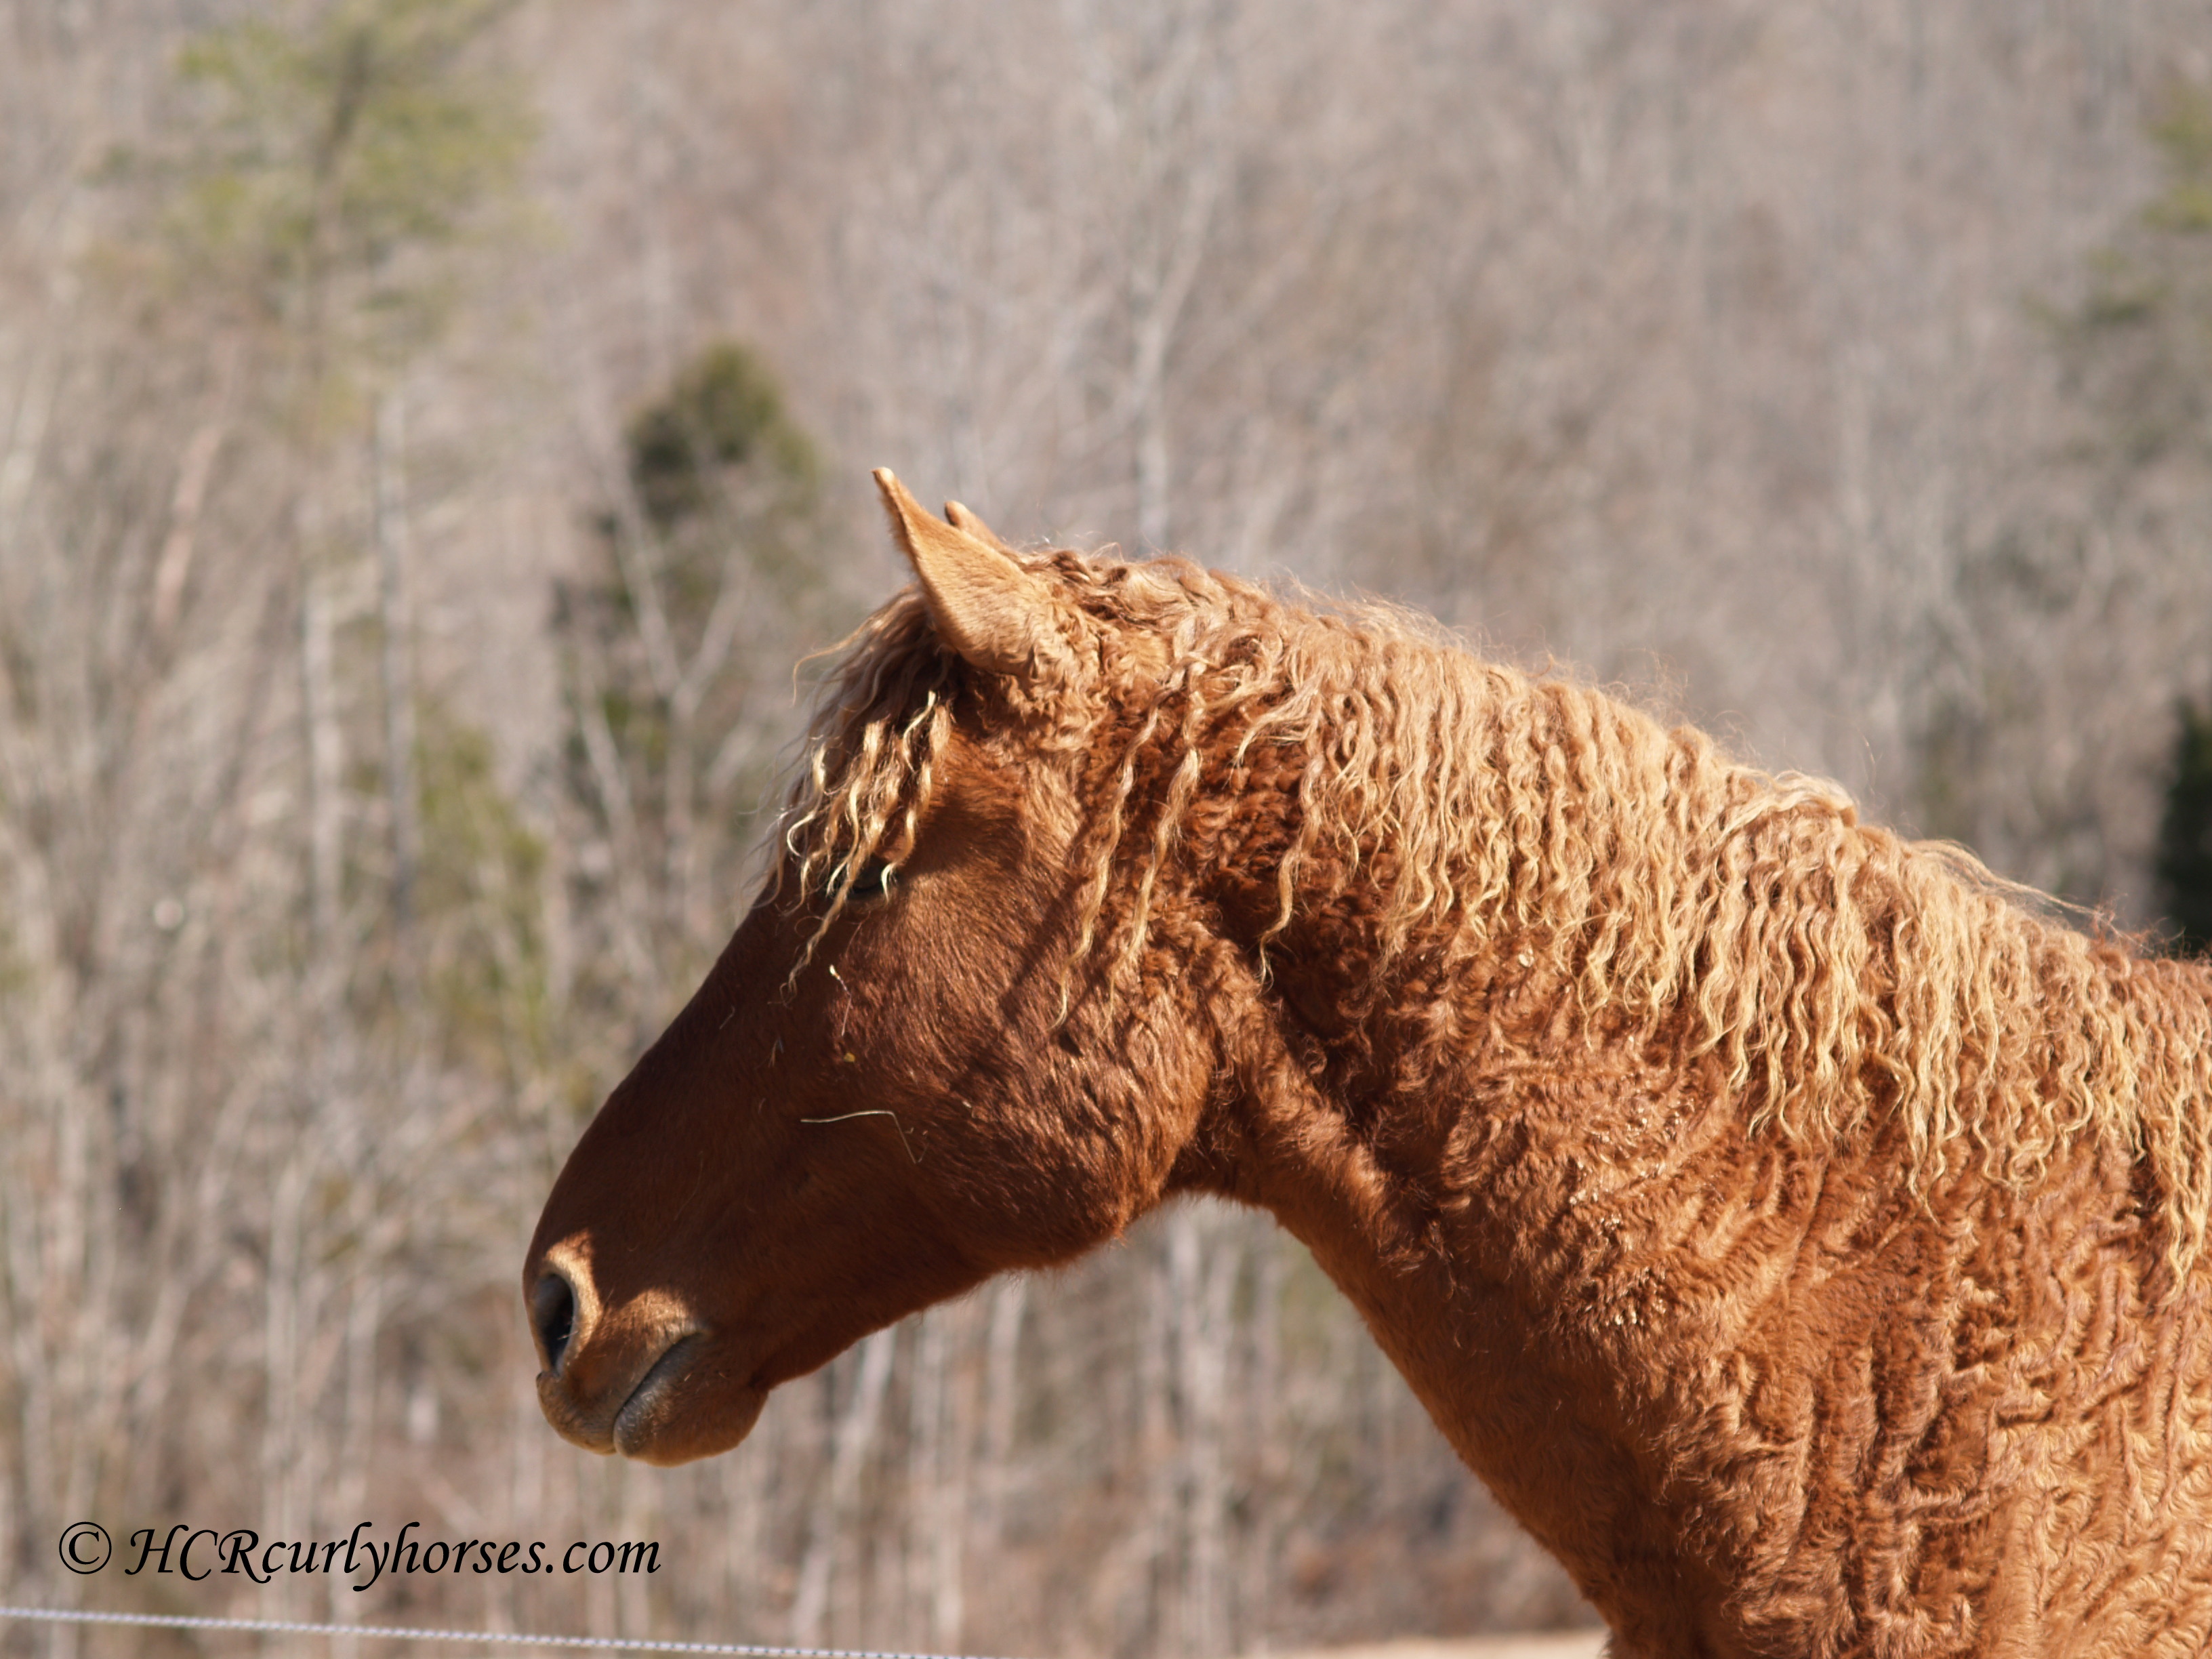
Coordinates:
1803	1239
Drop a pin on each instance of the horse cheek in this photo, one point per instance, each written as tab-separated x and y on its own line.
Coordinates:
1136	1095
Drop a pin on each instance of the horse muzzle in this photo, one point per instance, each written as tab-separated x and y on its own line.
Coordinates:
646	1380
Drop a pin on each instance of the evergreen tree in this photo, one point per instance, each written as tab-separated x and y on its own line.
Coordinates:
2184	834
346	153
342	154
2137	347
677	654
2138	351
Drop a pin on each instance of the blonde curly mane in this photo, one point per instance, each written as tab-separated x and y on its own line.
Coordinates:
1840	974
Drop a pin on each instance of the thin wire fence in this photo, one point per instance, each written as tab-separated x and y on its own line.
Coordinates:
409	1633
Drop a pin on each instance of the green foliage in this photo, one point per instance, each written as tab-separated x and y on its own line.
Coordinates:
2184	834
725	411
479	898
677	651
2138	345
339	140
16	975
2182	130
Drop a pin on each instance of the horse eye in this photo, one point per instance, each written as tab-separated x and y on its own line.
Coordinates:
873	881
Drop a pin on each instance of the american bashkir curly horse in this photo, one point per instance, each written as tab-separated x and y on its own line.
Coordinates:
1804	1239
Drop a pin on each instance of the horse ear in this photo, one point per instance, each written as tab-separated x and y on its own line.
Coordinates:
986	606
964	519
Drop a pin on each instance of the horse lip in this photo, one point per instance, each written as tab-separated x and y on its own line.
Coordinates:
573	1420
632	1417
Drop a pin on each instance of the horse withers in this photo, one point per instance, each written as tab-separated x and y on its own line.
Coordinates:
1801	1237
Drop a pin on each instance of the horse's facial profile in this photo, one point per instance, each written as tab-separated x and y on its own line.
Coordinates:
880	1095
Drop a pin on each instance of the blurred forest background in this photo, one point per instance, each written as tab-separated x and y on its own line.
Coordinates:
430	430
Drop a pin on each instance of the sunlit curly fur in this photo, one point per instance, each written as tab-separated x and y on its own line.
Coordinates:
1839	972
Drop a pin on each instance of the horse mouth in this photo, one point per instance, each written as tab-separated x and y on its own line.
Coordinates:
683	1404
641	1419
604	1420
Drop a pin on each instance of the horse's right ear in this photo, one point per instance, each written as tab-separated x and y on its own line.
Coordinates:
963	519
986	605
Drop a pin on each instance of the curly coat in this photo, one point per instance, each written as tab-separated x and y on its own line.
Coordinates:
1802	1235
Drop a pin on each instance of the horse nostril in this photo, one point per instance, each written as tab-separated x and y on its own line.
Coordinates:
553	1311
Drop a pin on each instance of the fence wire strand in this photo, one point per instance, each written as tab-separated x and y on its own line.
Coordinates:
409	1633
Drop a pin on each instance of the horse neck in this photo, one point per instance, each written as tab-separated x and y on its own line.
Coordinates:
1420	1128
1475	1163
1433	1111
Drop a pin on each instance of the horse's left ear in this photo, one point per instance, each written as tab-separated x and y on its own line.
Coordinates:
988	606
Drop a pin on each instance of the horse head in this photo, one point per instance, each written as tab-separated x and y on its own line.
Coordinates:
897	1080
